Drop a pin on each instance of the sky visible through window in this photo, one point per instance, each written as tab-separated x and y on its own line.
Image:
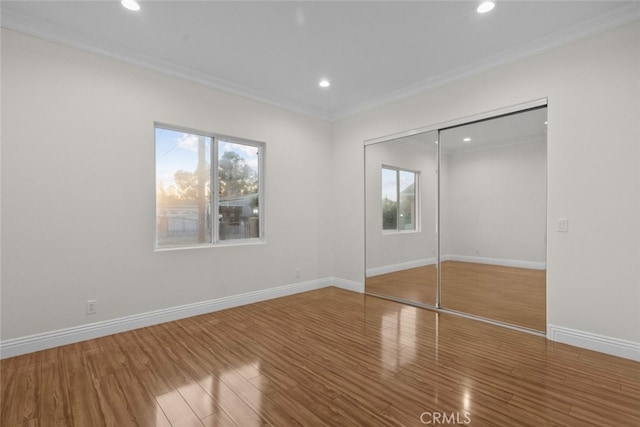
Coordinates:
177	150
389	179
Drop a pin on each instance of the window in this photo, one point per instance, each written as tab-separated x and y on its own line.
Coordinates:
188	166
399	199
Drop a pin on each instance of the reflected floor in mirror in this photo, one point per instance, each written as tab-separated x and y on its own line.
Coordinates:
413	284
327	357
506	294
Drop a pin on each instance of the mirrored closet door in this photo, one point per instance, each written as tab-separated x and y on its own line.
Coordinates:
456	218
401	240
493	218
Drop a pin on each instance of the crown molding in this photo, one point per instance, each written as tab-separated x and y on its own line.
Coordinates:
60	35
589	28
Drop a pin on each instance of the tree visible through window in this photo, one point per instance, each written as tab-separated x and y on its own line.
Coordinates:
185	177
399	201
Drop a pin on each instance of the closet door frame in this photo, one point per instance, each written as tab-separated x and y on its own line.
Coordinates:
439	127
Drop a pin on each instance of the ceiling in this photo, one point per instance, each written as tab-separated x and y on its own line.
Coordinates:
372	52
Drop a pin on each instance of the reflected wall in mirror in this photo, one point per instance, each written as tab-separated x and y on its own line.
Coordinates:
400	197
493	218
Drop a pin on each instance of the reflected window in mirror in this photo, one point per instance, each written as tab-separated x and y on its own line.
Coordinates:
399	199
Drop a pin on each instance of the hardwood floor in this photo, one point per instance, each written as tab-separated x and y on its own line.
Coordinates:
507	294
327	357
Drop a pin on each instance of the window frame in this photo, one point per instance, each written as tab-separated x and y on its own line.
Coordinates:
416	200
213	204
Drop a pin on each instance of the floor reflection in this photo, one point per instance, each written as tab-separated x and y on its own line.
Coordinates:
398	344
417	284
507	294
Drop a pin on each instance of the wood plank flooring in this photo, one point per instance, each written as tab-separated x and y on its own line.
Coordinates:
322	358
507	294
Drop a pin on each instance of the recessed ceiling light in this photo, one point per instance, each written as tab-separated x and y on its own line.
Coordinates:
485	6
467	140
131	5
324	83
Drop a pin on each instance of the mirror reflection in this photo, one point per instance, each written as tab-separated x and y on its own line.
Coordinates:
401	249
491	205
493	218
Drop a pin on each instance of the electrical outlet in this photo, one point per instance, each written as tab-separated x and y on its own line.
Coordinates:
563	225
298	274
91	306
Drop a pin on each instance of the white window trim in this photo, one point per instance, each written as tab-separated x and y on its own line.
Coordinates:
215	197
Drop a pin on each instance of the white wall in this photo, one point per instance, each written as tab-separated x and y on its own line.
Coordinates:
494	204
593	92
78	191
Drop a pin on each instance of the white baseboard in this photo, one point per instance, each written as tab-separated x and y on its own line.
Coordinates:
600	343
348	285
496	261
392	268
43	341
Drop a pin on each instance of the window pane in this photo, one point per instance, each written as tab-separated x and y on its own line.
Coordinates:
389	199
407	201
183	188
238	190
